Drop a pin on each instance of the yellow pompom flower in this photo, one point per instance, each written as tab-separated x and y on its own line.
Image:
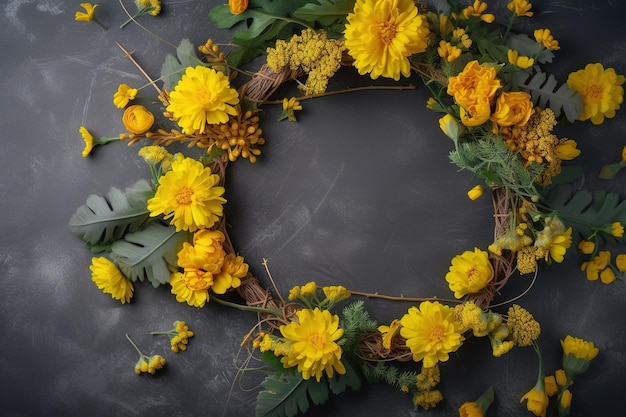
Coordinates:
137	119
544	36
523	326
469	272
312	344
336	293
123	95
189	195
478	9
520	8
431	332
110	279
381	35
537	400
476	192
147	364
202	96
577	355
600	89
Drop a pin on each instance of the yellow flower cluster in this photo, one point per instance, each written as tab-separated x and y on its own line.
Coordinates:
310	52
309	294
522	325
485	323
179	336
206	266
149	364
156	154
426	396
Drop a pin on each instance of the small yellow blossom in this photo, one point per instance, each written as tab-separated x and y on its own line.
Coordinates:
152	7
520	8
154	154
123	95
544	36
537	400
427	399
290	106
478	9
147	364
520	61
564	402
88	15
388	332
476	192
600	89
560	377
336	293
577	355
566	150
449	125
607	276
428	378
526	260
620	262
179	336
448	51
237	6
137	119
469	272
309	289
524	328
586	247
500	347
459	35
598	263
551	385
479	407
88	138
624	154
110	279
617	230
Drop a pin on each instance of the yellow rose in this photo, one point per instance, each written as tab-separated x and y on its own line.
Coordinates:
512	108
137	119
474	89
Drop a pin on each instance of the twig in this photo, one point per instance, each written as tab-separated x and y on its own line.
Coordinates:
145	74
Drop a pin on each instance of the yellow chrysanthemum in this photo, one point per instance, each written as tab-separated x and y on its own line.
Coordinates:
470	272
601	91
189	194
110	279
202	96
381	35
123	95
311	344
431	332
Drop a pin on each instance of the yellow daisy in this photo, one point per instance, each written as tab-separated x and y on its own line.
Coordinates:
110	279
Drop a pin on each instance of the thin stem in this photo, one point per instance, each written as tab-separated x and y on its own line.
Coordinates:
402	297
346	90
276	313
134	345
95	19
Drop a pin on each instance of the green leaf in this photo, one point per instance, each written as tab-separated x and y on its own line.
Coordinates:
351	379
105	219
528	46
290	395
150	253
542	89
174	66
326	12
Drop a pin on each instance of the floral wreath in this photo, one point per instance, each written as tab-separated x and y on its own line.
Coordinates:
499	109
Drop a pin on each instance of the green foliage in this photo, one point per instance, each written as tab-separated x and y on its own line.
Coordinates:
528	46
389	374
351	379
289	395
330	14
542	89
174	66
149	253
356	323
584	210
104	219
489	158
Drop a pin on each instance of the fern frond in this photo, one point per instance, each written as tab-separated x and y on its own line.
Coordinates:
542	89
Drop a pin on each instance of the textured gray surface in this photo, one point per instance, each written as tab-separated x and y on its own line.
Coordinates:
358	192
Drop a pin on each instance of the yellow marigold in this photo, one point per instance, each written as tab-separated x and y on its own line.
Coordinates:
512	108
566	150
123	95
137	119
381	35
312	344
577	355
600	89
520	61
523	326
520	7
431	332
110	279
202	96
469	272
617	230
237	6
474	89
189	195
537	400
478	9
476	192
544	36
388	332
88	14
448	51
427	399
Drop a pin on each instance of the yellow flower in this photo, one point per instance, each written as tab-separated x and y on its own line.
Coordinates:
448	51
336	293
309	289
479	407
469	272
88	14
381	35
202	96
311	344
474	89
237	6
110	279
523	326
600	89
179	336
431	332
598	263
233	270
450	126
550	385
620	262
624	154
544	36
607	276
560	377
427	399
566	150
123	95
499	347
512	108
537	400
520	61
478	9
88	138
577	355
565	402
150	6
147	364
189	194
617	230
586	247
388	332
289	108
154	154
556	245
137	119
476	192
520	7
